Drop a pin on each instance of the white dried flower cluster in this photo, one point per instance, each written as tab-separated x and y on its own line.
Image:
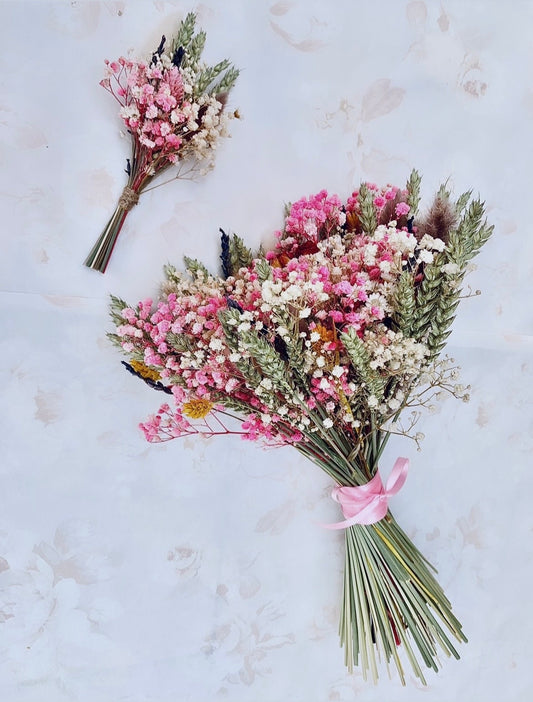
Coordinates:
213	126
393	353
403	242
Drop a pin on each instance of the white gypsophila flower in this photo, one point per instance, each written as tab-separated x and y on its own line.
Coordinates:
380	232
130	112
425	256
436	244
401	241
270	291
337	371
450	269
372	401
327	423
303	314
369	254
314	337
293	292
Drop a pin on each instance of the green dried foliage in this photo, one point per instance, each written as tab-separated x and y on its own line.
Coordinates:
229	319
443	192
228	81
230	403
115	310
185	32
427	296
413	190
263	270
206	77
179	342
211	73
368	215
470	235
194	52
267	358
240	255
294	348
405	304
116	340
195	267
438	295
462	202
443	315
177	380
250	373
360	360
172	274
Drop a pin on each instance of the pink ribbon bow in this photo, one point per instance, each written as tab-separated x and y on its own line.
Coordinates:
368	503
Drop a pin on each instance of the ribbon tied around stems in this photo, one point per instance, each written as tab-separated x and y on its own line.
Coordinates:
368	503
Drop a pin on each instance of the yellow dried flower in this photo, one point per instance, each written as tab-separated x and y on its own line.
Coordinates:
197	409
144	371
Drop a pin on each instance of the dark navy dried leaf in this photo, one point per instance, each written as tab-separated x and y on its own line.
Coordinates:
156	385
178	56
281	348
234	305
225	254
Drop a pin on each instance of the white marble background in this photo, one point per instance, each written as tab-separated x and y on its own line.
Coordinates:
196	571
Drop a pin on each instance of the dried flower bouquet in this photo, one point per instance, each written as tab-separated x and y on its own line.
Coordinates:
330	342
173	109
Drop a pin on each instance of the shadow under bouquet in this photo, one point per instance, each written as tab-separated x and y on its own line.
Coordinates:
330	342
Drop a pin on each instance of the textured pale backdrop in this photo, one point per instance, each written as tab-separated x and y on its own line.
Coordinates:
191	572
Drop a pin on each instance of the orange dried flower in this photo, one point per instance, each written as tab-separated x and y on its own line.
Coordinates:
326	337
